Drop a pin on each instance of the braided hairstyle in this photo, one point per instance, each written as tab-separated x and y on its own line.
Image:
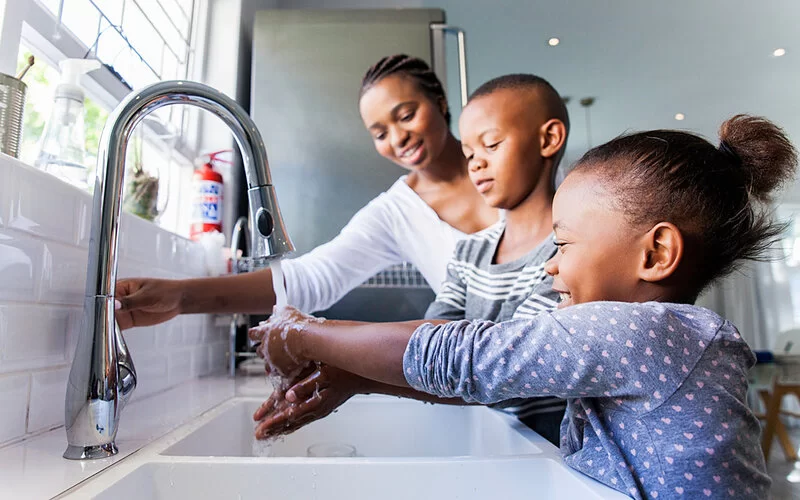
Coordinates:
717	196
410	67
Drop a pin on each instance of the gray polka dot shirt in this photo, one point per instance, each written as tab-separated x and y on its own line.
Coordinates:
656	391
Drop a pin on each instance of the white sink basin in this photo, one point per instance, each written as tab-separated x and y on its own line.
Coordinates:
375	426
331	479
404	450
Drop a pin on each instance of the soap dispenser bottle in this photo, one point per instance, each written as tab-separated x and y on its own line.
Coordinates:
62	150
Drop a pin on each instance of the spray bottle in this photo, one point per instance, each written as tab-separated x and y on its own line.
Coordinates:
63	142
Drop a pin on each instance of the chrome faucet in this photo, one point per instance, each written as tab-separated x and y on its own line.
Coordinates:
103	377
236	319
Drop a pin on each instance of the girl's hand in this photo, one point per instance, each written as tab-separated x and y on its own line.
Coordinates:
312	398
281	343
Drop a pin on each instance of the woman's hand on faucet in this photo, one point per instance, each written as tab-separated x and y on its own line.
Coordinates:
145	302
309	399
280	341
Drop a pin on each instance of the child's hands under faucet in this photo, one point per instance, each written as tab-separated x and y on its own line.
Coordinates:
280	340
310	398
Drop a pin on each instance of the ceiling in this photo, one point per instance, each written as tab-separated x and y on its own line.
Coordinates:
643	61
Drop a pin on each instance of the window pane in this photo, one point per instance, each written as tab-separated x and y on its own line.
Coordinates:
170	69
159	32
82	19
110	46
186	6
157	29
133	70
112	9
163	25
142	35
179	15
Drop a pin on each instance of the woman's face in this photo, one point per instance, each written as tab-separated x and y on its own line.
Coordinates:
407	127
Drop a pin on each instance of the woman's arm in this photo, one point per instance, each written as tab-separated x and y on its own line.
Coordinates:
314	281
366	245
150	301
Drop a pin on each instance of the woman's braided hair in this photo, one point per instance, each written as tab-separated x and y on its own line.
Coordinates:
410	67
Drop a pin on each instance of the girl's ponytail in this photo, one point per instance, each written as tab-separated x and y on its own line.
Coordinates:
761	150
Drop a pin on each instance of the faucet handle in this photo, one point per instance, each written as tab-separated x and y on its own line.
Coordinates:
126	382
268	236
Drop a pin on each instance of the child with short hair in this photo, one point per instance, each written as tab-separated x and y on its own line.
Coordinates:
656	386
513	134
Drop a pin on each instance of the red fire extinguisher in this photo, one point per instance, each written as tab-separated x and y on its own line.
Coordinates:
207	196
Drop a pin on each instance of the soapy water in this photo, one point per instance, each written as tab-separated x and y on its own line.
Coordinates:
277	284
285	319
265	447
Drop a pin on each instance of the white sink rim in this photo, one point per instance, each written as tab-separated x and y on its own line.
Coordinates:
227	478
152	455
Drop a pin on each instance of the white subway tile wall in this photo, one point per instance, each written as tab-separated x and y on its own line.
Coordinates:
47	399
21	259
14	393
44	237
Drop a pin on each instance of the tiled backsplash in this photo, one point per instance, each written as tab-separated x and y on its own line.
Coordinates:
44	238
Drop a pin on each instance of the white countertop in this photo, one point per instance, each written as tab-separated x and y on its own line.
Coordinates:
35	469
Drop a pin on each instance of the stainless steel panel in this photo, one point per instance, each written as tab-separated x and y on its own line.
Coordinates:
381	304
307	69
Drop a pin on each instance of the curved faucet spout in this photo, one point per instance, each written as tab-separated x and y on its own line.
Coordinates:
102	375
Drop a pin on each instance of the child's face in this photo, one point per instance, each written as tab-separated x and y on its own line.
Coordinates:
407	127
500	137
599	252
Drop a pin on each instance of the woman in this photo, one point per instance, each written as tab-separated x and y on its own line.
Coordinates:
417	220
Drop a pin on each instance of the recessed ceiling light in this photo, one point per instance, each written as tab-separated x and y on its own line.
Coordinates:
679	116
555	41
779	52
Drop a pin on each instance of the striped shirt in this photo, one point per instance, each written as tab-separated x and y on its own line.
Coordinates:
475	288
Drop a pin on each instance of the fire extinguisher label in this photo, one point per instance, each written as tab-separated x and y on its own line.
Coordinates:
207	203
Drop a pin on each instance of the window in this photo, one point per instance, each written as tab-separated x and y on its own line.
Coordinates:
141	41
42	80
788	269
138	42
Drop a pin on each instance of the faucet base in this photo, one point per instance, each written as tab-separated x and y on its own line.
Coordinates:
90	452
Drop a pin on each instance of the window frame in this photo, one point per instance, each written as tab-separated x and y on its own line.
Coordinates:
31	23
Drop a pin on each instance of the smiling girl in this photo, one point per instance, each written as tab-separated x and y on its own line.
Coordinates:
655	385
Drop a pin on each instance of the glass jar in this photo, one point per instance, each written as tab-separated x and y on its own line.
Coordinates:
146	191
